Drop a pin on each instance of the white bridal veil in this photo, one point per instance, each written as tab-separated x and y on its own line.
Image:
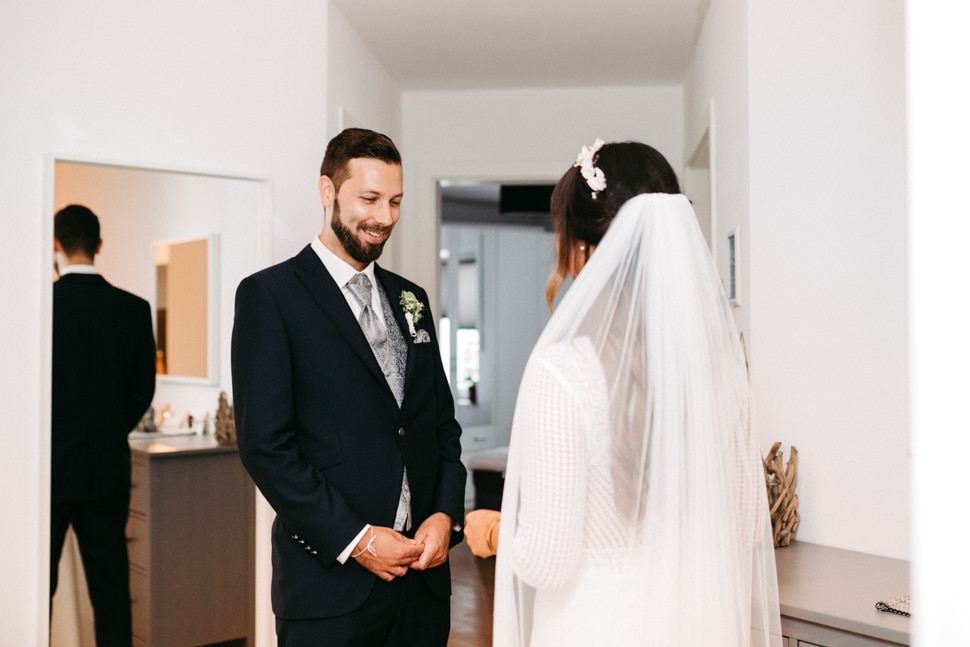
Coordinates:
635	500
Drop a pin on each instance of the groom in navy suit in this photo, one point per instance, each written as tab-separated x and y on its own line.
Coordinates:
346	422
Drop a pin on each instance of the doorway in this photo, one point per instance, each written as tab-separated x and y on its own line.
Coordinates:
138	206
496	254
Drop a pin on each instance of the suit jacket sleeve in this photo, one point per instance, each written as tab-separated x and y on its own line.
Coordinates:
265	417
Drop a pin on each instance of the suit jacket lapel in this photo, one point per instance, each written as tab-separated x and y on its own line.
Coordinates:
331	301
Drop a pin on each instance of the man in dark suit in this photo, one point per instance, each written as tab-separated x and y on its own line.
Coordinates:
345	421
103	380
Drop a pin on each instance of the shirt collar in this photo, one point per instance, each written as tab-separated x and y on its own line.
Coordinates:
339	269
78	268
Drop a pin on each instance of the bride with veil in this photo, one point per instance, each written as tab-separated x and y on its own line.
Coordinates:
634	509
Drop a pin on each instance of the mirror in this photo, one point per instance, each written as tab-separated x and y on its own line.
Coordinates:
186	309
143	209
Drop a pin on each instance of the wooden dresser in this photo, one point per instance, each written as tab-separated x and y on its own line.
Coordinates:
191	544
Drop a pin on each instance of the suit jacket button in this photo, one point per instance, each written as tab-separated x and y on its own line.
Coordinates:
400	432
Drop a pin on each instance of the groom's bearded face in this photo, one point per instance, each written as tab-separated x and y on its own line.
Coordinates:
366	207
361	251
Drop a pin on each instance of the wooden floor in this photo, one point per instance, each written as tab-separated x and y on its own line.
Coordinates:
472	584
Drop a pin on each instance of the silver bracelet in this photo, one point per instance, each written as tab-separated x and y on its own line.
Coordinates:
369	548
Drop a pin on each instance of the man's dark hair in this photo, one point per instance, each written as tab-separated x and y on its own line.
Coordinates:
353	143
77	229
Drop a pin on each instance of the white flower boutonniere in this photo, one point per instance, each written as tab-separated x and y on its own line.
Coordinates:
412	310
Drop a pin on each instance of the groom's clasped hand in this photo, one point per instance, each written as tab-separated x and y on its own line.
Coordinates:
390	554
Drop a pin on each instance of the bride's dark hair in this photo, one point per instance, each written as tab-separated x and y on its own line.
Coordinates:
631	168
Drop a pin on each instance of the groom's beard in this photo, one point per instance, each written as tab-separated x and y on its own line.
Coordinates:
359	251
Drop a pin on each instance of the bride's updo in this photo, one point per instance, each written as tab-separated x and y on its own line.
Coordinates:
582	214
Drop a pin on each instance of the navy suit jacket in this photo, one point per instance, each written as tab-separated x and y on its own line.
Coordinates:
103	380
323	438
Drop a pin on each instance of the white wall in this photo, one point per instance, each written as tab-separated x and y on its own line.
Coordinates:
716	105
828	242
514	134
939	137
360	93
810	162
218	87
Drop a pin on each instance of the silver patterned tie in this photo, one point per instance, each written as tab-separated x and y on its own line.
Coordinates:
373	329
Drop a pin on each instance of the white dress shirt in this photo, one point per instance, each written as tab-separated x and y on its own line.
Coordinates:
342	272
78	268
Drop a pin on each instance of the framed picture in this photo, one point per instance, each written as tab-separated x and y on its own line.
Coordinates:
734	266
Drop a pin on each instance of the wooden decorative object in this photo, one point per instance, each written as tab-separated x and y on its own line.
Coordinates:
225	421
782	500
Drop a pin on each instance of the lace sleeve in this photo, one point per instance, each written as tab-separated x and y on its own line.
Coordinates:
752	500
548	538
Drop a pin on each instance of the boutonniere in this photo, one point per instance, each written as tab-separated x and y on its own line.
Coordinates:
412	310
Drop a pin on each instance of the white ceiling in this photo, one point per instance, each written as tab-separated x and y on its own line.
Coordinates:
466	44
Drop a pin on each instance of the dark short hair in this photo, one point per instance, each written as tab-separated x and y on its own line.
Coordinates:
353	143
631	168
76	228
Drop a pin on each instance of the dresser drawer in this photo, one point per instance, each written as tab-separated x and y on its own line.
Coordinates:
140	486
139	554
141	616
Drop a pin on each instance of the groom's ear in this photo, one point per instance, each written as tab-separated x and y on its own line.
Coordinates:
327	191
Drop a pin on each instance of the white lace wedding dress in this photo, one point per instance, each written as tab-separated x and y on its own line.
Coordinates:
634	510
570	544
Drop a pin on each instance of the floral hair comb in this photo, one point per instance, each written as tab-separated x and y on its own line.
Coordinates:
593	175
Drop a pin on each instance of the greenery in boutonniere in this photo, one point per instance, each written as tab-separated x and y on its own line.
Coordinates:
412	310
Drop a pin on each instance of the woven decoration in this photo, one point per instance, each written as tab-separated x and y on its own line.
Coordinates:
782	500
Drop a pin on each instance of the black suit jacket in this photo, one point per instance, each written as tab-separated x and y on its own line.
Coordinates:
103	380
323	438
